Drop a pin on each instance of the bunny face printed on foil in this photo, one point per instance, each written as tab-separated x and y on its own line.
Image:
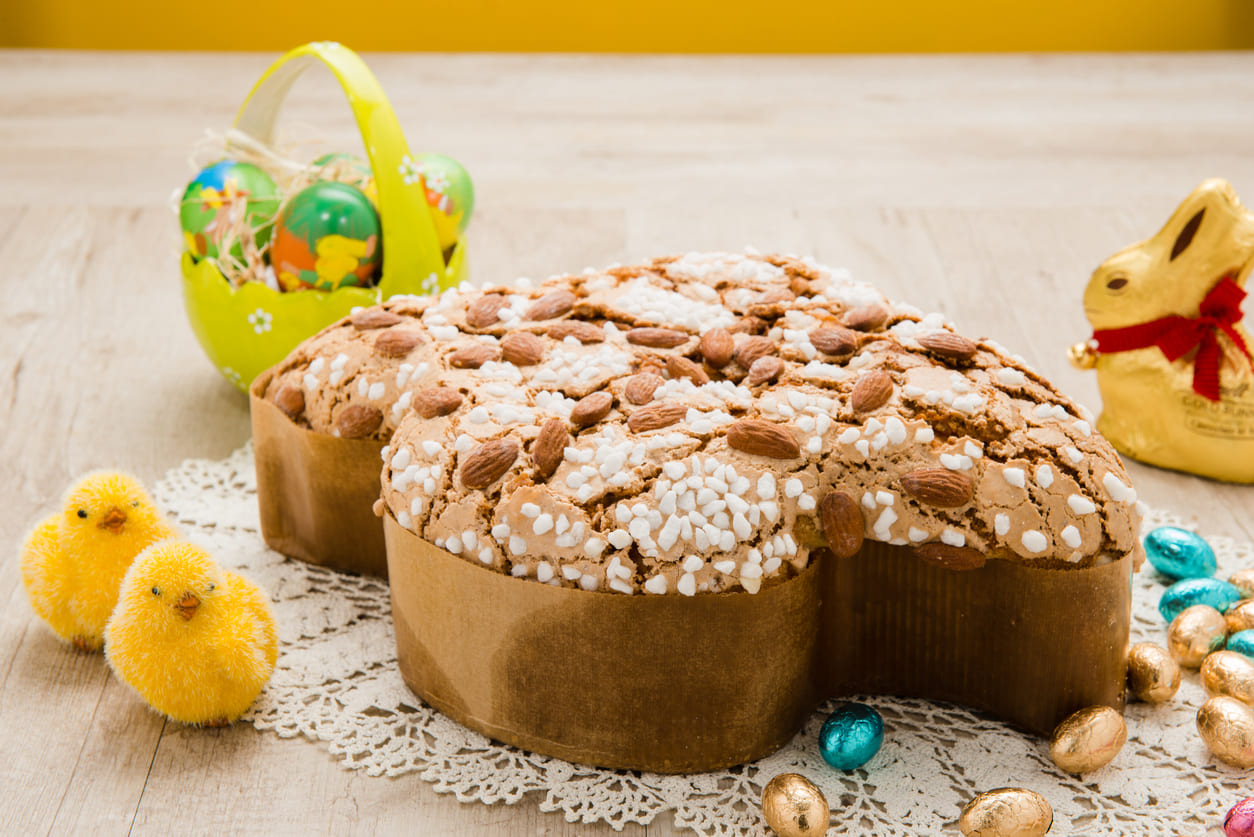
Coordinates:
1170	351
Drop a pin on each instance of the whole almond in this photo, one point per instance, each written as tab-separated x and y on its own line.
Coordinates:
939	487
485	310
951	557
472	357
372	318
717	347
871	317
678	366
591	408
871	392
948	345
641	386
436	401
290	400
655	416
842	523
550	447
765	369
748	325
583	332
552	304
396	342
834	340
752	348
657	338
488	462
357	421
522	348
762	438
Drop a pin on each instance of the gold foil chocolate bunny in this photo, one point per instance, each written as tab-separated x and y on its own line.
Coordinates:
1172	357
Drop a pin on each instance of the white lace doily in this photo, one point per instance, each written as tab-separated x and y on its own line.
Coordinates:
337	682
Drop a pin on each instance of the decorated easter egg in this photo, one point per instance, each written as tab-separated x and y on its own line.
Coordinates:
1087	739
1153	676
1229	673
851	736
1227	726
326	236
449	192
1194	633
1006	812
1208	591
1242	642
226	203
793	806
1240	819
342	167
1179	553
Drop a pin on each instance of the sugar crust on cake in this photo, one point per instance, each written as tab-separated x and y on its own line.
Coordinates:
678	509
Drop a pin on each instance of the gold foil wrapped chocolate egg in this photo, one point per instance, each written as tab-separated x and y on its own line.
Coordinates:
1240	617
1006	812
1087	739
1153	676
1243	580
1227	726
1196	632
1229	673
794	807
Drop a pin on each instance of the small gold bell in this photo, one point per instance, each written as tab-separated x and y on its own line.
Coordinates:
1082	355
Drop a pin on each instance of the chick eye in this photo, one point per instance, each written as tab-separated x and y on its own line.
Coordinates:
82	513
1116	283
156	591
135	504
211	587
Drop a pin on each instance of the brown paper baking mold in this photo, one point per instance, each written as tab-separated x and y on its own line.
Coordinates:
315	493
677	684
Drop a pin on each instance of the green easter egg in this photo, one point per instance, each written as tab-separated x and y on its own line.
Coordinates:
218	197
327	237
450	193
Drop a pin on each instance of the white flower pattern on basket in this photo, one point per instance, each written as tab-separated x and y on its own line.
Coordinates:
261	320
337	682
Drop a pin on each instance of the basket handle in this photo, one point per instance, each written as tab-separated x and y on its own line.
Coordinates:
410	246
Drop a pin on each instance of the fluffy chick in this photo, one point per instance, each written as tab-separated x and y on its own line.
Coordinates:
195	641
73	562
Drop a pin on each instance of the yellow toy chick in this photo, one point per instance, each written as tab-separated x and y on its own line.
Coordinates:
74	561
195	641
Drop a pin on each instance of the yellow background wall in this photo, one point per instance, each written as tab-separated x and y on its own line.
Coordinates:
639	26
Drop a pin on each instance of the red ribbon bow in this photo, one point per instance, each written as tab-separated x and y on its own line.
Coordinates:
1176	336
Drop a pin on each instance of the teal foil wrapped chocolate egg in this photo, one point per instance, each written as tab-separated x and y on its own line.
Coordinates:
222	202
1242	642
851	736
1179	553
1194	591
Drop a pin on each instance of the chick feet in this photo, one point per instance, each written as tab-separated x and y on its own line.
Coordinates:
85	644
217	723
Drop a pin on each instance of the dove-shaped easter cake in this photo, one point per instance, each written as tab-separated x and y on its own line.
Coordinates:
646	516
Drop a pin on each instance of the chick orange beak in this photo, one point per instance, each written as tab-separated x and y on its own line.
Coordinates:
186	606
113	521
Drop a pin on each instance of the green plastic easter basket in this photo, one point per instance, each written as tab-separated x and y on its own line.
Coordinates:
248	329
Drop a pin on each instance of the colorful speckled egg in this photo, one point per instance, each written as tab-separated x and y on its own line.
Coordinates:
1179	553
851	735
326	236
1240	819
1242	642
342	167
225	200
448	191
1194	591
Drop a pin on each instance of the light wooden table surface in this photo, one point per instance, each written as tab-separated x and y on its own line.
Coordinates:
984	187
